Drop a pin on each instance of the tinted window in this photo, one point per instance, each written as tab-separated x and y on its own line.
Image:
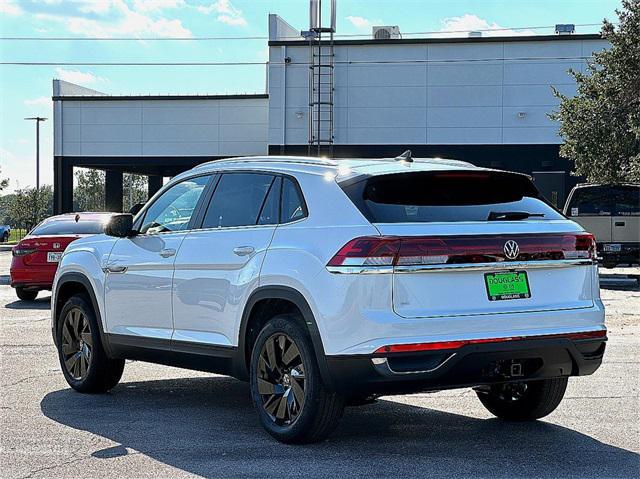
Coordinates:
293	207
446	196
594	201
237	200
626	200
69	227
173	210
271	207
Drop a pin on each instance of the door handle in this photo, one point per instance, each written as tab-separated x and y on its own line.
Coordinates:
620	223
115	269
167	252
243	250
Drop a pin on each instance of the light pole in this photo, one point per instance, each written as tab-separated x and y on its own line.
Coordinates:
37	119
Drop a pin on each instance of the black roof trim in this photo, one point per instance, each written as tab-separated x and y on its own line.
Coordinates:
158	97
409	41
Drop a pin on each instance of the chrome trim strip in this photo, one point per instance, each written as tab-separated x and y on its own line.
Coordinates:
385	362
501	266
439	268
360	269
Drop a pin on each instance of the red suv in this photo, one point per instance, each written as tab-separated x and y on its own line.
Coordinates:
35	258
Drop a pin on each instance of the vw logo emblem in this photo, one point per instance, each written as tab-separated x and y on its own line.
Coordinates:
56	245
511	249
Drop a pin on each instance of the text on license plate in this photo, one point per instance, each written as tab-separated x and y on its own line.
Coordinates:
507	285
54	257
612	247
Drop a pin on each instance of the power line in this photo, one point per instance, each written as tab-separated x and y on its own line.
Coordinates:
209	38
337	62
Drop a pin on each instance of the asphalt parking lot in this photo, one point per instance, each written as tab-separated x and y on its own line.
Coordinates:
166	422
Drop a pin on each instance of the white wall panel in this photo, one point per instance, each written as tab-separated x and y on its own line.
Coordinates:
96	115
191	148
111	148
387	96
387	117
535	72
533	116
468	73
115	133
387	75
461	136
441	96
179	133
387	135
545	135
464	117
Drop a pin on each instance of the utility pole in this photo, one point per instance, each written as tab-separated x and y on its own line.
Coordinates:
37	119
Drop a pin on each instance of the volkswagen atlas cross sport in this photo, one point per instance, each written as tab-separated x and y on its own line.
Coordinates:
328	283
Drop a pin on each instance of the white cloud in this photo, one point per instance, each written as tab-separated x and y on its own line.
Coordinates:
154	5
359	22
460	26
9	7
227	13
40	101
119	19
78	77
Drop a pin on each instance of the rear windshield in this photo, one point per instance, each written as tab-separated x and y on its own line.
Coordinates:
68	227
623	200
420	197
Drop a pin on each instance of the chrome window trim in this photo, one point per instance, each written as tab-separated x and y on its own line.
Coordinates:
439	268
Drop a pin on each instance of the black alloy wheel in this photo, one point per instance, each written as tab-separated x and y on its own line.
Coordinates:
77	343
281	379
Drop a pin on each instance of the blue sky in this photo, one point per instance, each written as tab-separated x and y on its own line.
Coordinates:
26	90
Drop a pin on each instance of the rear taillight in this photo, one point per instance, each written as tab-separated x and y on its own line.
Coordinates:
17	251
430	250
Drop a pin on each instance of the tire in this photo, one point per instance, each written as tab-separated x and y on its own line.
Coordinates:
524	401
610	264
292	402
5	238
78	336
26	294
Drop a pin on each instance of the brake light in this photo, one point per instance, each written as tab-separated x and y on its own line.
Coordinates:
17	251
431	250
446	345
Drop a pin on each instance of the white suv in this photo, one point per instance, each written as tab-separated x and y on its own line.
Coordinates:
329	283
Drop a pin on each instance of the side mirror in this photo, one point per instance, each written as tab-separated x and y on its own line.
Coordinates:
135	209
120	226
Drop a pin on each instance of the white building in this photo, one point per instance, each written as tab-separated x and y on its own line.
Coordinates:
480	99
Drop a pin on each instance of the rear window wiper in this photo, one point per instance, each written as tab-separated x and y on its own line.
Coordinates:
511	215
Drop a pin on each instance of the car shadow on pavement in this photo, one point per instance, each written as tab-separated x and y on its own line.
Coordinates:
207	426
38	303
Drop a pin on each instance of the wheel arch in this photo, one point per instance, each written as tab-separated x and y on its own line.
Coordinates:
290	295
69	284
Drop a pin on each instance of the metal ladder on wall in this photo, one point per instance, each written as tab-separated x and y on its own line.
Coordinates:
321	90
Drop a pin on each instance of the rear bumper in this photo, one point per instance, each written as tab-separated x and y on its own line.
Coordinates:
471	365
629	253
35	278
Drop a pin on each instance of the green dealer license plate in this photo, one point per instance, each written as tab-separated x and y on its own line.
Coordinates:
507	285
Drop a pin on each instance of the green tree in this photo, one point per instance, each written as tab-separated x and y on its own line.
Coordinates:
134	190
600	125
4	182
88	194
29	206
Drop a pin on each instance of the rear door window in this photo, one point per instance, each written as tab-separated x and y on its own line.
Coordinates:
626	200
293	205
591	201
447	196
238	200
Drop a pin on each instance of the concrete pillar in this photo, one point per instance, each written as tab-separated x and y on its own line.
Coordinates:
154	183
113	191
62	185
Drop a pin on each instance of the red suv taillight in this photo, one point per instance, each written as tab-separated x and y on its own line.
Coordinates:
432	250
22	251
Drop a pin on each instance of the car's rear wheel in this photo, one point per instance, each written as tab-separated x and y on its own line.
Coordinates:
26	294
523	401
5	237
286	387
83	360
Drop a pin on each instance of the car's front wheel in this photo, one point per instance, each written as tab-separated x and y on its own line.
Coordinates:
83	360
286	387
523	401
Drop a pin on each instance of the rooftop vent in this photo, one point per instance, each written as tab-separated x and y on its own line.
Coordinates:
565	28
475	34
386	33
